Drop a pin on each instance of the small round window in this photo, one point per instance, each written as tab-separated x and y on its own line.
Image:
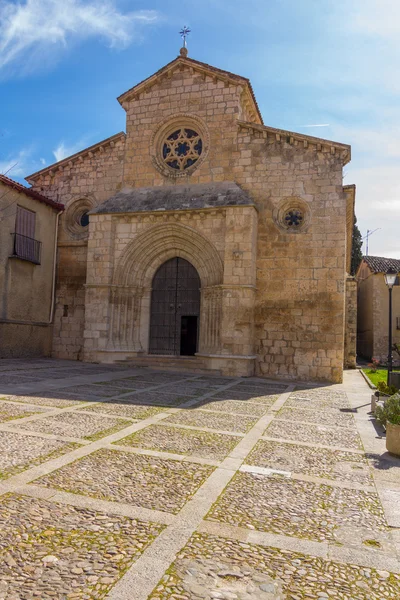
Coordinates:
84	219
293	218
182	149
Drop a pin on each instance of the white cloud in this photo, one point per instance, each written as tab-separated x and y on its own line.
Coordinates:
29	30
63	151
43	161
16	165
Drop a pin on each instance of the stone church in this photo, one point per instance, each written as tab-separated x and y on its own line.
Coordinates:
202	238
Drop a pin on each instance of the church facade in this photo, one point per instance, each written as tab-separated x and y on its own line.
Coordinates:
203	233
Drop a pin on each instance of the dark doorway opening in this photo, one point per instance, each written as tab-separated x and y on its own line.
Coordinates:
188	335
175	309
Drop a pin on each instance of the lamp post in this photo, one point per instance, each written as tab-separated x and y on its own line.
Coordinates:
390	278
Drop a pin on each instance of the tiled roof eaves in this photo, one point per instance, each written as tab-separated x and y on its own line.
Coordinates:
194	63
73	157
18	187
381	264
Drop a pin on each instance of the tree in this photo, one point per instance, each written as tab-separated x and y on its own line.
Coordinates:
356	254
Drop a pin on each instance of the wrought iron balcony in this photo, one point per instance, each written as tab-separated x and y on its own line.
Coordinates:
26	248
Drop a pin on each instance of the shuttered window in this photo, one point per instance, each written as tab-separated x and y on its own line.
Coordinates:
25	222
25	245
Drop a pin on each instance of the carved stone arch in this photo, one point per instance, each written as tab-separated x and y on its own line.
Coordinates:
157	244
132	280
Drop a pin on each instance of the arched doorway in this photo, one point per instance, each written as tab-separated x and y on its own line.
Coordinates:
175	309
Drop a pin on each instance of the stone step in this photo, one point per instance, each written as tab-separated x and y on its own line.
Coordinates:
188	364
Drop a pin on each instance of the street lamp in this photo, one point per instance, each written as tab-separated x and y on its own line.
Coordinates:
390	278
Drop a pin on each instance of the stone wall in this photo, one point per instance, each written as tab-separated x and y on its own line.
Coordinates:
124	252
299	314
350	334
80	183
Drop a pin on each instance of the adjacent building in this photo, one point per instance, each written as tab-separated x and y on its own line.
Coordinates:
373	308
28	245
202	237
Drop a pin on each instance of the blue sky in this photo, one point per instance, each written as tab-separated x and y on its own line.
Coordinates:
329	68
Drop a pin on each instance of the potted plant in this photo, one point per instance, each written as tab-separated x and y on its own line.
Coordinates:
389	416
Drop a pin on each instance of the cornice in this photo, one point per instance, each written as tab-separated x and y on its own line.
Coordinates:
78	157
295	139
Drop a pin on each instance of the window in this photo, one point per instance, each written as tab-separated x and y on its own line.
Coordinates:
182	149
25	246
84	219
25	222
397	322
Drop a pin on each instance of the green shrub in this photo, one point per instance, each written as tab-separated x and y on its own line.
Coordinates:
390	411
389	390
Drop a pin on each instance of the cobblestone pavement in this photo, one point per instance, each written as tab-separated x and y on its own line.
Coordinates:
130	484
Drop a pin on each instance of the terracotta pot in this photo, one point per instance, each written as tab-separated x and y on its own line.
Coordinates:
393	438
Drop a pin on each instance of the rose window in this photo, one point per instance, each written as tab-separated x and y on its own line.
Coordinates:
293	218
182	149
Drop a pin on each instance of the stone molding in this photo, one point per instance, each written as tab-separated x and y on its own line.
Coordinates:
157	244
165	128
298	139
78	157
292	203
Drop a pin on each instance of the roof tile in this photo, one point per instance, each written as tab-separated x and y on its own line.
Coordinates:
380	264
18	187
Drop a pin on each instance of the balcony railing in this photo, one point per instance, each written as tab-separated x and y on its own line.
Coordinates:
26	248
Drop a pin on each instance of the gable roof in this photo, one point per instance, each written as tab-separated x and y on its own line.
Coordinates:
197	66
380	264
18	187
77	156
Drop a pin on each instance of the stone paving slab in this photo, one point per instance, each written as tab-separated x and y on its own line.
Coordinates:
11	379
215	380
10	411
319	398
182	441
321	462
56	399
211	567
222	422
126	384
321	417
124	409
186	389
102	391
156	398
171	473
238	407
51	550
233	394
297	508
78	425
19	451
147	481
317	434
160	377
260	389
